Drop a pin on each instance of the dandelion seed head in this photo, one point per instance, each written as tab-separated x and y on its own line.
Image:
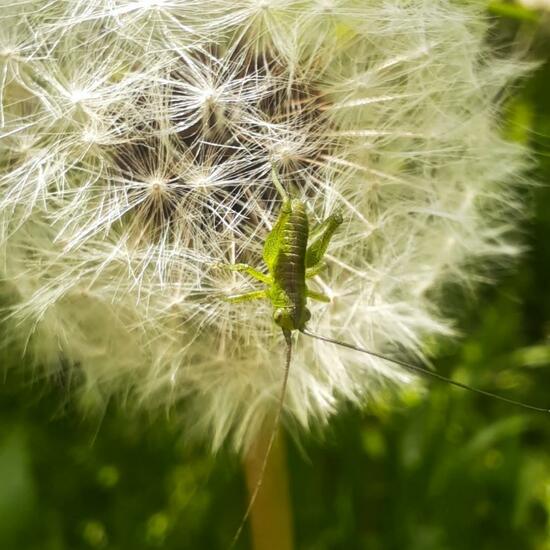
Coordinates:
136	151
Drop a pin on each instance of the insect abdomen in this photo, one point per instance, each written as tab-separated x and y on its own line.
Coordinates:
290	266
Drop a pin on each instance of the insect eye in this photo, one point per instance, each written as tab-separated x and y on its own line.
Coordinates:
278	315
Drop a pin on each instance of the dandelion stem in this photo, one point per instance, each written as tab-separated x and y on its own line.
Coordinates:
270	518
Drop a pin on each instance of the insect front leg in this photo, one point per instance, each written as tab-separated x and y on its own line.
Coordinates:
319	239
246	297
249	270
319	296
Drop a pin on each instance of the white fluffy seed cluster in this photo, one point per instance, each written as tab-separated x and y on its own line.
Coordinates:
136	143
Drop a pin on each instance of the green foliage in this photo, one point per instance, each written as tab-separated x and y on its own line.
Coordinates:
449	470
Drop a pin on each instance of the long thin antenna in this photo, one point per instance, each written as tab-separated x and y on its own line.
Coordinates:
274	432
424	371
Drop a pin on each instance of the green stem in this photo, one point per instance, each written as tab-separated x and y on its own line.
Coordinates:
271	515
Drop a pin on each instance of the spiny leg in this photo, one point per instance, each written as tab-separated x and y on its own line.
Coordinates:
319	228
319	239
246	297
249	270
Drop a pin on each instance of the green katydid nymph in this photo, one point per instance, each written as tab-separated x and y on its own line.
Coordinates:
293	254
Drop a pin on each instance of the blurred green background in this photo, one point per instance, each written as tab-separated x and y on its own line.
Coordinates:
451	470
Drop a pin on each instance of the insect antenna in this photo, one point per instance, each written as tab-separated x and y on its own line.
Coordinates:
425	372
274	432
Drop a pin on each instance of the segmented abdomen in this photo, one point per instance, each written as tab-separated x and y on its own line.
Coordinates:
291	262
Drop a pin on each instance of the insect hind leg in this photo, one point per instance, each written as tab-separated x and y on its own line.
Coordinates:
320	238
279	186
